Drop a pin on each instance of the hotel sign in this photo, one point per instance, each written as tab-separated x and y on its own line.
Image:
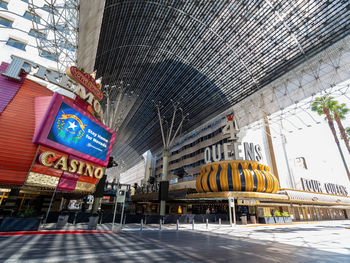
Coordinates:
329	188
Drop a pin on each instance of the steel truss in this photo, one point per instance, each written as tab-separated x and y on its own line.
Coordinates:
58	31
216	55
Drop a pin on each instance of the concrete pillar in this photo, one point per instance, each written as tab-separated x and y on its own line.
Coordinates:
271	152
164	178
148	165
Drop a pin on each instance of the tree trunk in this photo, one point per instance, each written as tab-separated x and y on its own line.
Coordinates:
342	131
331	126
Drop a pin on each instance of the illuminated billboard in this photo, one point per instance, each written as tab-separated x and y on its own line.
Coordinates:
67	128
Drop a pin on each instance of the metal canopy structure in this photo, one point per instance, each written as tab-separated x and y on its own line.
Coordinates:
206	55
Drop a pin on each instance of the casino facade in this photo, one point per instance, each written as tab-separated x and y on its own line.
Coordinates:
214	182
51	146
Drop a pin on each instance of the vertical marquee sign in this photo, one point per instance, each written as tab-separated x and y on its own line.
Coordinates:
69	128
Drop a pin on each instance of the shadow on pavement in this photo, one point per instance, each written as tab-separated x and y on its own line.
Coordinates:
156	246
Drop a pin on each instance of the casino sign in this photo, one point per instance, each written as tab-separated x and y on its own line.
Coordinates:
235	173
72	144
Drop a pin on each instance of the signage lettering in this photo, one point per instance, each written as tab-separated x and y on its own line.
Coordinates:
86	80
74	166
75	130
251	152
19	65
90	99
329	188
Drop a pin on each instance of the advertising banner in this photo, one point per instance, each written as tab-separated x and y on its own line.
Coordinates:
67	128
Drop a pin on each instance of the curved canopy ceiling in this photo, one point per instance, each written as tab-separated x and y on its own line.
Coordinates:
206	55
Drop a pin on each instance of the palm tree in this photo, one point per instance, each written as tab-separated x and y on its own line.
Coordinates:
339	112
322	106
347	130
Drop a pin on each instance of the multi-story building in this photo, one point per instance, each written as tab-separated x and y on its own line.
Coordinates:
188	153
36	31
19	35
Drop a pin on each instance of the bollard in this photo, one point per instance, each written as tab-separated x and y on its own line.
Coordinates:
141	225
220	222
160	224
206	223
192	224
177	224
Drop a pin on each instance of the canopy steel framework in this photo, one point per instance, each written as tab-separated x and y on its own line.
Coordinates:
212	56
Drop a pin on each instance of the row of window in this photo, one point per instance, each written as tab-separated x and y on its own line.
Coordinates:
200	151
20	45
201	139
47	8
190	155
198	132
32	17
204	138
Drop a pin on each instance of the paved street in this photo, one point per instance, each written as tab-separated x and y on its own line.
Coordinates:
310	242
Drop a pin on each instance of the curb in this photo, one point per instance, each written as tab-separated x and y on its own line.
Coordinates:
281	224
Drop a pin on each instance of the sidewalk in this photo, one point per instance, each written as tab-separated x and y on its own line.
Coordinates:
183	226
212	227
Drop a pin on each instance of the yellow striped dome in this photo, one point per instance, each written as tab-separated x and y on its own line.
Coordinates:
236	175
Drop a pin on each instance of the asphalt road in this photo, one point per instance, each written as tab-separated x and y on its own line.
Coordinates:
165	246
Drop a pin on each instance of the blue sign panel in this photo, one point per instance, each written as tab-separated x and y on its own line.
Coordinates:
75	130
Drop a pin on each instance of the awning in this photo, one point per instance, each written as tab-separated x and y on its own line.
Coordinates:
233	194
297	196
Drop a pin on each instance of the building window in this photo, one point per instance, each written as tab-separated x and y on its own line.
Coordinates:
5	22
67	46
48	55
32	17
62	28
16	43
3	4
36	33
47	8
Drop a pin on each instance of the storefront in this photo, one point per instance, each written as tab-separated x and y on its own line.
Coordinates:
252	193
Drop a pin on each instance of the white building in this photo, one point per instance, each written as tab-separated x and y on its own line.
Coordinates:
18	35
140	172
36	31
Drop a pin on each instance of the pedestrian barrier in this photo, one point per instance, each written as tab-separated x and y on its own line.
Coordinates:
107	217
